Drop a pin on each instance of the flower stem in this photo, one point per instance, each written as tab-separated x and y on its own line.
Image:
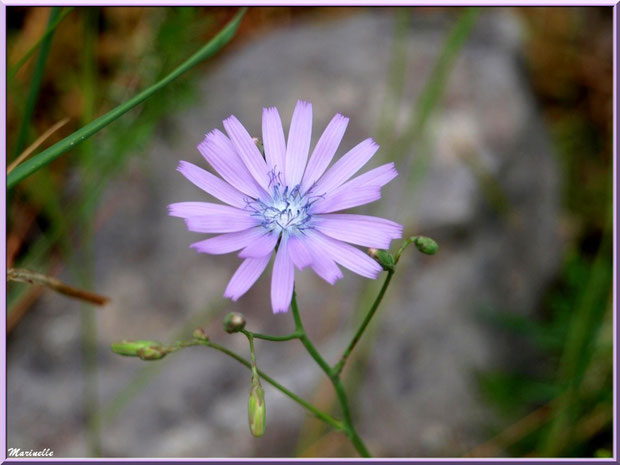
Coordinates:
299	327
269	337
252	355
337	424
340	365
407	243
334	377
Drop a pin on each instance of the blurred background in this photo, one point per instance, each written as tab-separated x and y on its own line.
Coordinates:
499	121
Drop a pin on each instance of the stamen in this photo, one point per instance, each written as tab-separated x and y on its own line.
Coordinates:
286	210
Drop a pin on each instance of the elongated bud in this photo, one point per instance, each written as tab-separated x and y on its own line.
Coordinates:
234	322
200	334
131	348
256	408
426	245
385	258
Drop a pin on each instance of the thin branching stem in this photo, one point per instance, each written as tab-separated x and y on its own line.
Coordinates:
269	337
337	424
358	334
348	427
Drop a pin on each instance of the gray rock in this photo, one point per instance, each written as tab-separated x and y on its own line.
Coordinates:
417	395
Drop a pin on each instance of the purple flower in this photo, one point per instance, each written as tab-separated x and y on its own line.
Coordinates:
285	199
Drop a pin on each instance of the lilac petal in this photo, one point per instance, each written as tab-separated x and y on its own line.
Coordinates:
283	279
347	199
261	246
324	150
230	242
245	276
298	143
189	209
379	176
300	255
347	255
212	184
221	155
221	223
247	150
322	264
347	166
273	140
367	231
360	190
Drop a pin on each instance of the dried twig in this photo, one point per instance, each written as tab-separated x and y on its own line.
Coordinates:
27	276
35	145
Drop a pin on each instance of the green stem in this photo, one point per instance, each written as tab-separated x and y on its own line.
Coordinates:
52	153
348	427
143	377
268	337
314	353
308	406
407	243
340	365
252	355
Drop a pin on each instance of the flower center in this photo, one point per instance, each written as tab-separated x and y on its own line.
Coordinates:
286	210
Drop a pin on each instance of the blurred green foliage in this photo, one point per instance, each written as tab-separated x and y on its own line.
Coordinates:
66	216
563	404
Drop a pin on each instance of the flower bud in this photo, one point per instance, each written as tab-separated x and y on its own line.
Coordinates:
426	245
200	334
256	409
385	258
234	322
131	348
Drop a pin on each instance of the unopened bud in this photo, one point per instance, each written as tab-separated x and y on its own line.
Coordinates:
234	322
256	409
385	258
200	334
426	245
131	348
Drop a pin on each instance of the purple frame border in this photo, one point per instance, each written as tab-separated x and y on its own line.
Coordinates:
361	3
446	3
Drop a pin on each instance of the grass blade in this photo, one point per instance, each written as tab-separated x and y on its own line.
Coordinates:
36	144
50	29
42	159
35	84
436	83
